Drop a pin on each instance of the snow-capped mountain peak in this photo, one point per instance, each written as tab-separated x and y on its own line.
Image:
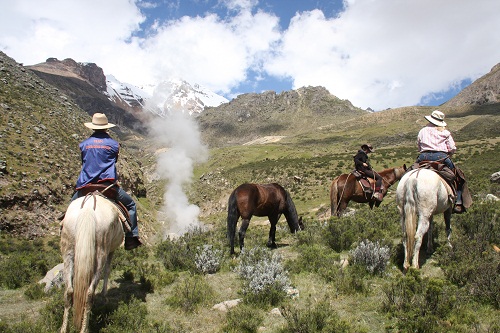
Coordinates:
177	95
168	96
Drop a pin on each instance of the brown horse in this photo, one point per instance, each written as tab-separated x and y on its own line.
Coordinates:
269	200
345	188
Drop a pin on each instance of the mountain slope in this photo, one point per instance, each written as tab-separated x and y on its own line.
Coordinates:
39	155
485	90
250	116
85	83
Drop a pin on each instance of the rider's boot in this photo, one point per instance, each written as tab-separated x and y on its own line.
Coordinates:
378	195
132	242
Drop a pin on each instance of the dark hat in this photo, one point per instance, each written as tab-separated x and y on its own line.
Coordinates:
368	147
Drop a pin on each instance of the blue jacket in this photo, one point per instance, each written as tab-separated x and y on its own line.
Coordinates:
99	157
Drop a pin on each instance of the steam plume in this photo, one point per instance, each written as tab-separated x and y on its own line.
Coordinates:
179	133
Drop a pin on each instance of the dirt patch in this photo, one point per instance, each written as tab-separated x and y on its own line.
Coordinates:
264	140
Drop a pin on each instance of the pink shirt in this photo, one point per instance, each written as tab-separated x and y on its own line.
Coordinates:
430	138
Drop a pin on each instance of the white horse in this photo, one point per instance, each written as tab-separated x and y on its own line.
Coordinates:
91	232
420	195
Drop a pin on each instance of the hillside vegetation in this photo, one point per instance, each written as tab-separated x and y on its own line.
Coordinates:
338	275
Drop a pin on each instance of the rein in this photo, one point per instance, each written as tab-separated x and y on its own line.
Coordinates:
343	189
87	196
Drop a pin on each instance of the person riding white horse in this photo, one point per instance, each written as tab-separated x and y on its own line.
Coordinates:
99	155
435	143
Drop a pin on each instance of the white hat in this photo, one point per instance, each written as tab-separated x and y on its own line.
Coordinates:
99	121
436	118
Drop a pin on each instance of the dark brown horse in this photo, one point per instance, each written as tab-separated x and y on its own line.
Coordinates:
345	188
269	200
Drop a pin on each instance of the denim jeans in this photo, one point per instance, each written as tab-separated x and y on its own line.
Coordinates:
441	156
129	203
436	156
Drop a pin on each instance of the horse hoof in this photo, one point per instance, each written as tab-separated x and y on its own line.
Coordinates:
272	245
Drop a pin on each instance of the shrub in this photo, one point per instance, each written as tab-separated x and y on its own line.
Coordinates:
208	260
35	291
313	258
243	319
189	293
179	254
342	232
23	261
128	317
319	317
265	280
471	262
422	304
371	255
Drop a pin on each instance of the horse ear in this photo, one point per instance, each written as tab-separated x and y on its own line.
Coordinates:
404	166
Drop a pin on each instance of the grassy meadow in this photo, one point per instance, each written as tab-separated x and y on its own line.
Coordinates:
338	275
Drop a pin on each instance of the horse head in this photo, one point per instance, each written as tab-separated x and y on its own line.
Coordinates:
301	224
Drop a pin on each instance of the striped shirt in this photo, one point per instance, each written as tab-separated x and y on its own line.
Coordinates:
430	138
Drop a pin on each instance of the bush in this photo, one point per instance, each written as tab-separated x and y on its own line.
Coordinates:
190	293
23	261
471	262
372	256
243	319
424	304
319	317
208	260
179	254
342	232
265	280
128	317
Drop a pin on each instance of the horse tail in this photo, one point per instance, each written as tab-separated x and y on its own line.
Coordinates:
232	218
410	217
291	213
85	256
334	192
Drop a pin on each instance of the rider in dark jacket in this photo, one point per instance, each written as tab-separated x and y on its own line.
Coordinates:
362	164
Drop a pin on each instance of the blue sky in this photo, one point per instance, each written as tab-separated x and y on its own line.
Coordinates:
376	53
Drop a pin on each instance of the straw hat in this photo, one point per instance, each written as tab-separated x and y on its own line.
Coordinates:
99	121
436	118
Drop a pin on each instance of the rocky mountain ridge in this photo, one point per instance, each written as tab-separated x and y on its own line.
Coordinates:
252	115
485	90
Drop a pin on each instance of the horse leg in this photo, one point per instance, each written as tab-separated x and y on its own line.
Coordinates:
447	221
342	207
107	270
271	242
423	227
406	263
430	243
68	291
242	231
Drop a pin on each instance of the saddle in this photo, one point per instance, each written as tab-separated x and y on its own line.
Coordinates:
110	192
451	177
367	185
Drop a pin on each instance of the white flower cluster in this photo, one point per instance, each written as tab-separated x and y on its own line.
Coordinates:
371	255
207	259
262	270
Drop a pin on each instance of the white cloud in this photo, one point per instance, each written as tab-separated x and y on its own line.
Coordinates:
391	53
376	53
